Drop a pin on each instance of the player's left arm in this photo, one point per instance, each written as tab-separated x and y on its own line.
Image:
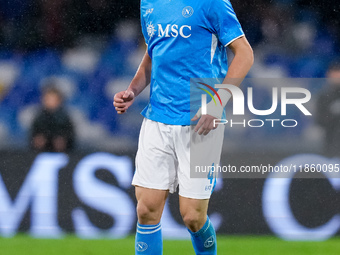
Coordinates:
238	69
242	62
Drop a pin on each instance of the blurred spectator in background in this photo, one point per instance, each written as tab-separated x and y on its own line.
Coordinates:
28	25
52	129
328	110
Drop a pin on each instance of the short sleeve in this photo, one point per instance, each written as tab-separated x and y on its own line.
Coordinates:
223	22
142	20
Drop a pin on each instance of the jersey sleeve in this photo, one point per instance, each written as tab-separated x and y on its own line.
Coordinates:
223	22
143	24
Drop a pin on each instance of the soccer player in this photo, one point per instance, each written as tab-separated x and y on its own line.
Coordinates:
185	39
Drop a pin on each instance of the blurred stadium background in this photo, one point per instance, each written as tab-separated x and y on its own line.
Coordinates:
91	50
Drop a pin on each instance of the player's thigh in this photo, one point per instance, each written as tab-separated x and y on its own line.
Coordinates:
152	197
150	202
194	212
190	205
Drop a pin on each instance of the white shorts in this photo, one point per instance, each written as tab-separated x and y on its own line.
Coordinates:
163	158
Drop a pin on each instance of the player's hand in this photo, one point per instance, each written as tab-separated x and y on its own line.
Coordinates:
205	124
123	100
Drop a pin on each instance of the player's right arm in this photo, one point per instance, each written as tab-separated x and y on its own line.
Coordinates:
124	99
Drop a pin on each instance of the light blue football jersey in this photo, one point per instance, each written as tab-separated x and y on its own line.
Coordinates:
185	39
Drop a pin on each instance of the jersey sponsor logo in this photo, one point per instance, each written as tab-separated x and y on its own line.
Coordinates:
150	28
141	246
169	30
209	242
187	12
174	31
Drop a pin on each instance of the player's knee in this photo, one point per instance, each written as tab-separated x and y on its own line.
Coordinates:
143	211
147	214
193	220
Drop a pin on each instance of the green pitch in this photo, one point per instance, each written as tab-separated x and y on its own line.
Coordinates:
240	245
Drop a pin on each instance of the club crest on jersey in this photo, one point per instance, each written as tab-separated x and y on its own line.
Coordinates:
151	29
187	12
